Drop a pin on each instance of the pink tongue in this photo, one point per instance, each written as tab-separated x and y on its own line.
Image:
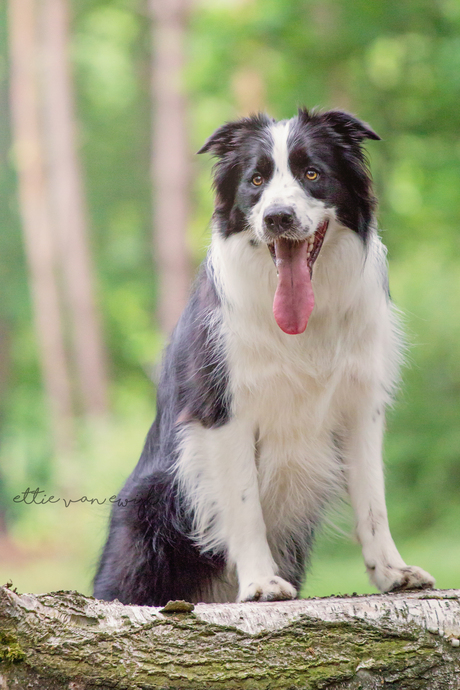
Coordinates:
294	299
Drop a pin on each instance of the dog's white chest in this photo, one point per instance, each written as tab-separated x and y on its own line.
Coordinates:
287	396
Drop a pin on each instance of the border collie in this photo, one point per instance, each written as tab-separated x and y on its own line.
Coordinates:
274	386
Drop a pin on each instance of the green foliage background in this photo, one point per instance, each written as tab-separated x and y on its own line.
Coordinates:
395	64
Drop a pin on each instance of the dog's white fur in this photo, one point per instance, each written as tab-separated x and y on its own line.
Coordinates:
307	413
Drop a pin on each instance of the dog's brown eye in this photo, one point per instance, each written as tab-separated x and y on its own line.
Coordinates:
311	174
257	180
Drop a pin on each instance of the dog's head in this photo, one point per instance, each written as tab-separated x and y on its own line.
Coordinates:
283	182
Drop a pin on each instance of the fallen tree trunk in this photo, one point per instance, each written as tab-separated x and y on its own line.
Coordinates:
65	640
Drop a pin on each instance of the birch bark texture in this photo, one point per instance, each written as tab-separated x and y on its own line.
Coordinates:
65	640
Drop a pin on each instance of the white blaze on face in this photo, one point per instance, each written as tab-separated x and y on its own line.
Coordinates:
284	190
294	299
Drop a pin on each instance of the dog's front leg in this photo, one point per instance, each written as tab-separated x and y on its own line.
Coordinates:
240	521
363	461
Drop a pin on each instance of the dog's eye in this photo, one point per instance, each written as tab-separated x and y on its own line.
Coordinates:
311	174
257	180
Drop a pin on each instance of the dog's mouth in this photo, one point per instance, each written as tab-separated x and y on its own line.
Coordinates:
294	298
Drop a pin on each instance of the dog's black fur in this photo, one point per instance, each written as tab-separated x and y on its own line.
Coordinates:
149	557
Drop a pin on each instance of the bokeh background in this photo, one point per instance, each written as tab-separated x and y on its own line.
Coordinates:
104	218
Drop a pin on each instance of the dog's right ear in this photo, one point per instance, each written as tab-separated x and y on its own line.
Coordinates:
228	137
224	139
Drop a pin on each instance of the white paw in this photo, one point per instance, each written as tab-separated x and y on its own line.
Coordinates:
267	589
388	578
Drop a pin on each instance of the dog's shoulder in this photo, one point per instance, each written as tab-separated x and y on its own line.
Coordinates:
194	375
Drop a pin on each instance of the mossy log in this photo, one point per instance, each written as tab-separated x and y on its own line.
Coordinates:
65	640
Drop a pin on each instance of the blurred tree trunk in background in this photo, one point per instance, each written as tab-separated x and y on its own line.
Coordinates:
68	207
36	217
249	90
170	158
5	368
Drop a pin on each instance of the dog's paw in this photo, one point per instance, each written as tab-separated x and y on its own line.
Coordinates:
267	589
390	579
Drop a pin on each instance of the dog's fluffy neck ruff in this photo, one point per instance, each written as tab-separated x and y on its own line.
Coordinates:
346	276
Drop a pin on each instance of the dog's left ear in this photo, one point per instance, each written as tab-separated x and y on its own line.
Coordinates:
228	137
349	126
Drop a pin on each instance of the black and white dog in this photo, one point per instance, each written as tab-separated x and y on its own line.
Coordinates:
274	386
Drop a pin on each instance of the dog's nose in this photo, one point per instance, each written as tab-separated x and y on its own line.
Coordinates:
279	219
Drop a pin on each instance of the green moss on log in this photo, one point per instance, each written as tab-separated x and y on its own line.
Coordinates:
10	650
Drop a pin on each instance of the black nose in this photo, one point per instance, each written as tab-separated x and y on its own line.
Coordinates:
279	219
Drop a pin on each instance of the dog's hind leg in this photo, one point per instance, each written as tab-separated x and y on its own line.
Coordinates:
149	557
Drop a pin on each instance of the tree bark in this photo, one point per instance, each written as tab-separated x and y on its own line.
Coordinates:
65	640
170	159
68	207
36	217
